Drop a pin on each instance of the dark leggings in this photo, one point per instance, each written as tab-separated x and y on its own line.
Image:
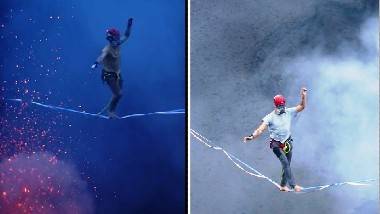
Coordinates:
115	83
285	159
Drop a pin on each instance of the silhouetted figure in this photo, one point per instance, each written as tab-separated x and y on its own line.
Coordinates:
110	59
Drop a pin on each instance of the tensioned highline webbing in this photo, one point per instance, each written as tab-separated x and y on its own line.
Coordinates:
254	172
176	111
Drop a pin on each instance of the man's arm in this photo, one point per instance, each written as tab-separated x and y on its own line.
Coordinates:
257	132
300	107
127	32
99	60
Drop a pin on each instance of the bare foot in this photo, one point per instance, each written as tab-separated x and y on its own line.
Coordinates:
102	111
112	115
297	188
284	189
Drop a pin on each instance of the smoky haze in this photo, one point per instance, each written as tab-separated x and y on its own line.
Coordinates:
242	54
42	183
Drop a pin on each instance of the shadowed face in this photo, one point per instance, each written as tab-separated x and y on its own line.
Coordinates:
280	109
113	36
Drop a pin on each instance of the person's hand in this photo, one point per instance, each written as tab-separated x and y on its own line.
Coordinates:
129	26
130	21
303	91
247	139
95	65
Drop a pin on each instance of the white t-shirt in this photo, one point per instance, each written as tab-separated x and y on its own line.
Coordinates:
279	125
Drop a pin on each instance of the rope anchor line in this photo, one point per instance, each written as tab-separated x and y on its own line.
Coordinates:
57	108
246	168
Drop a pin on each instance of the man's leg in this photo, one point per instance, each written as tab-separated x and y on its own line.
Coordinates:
289	157
287	173
115	86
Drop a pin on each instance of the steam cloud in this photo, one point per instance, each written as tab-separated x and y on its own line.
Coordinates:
339	133
41	183
241	59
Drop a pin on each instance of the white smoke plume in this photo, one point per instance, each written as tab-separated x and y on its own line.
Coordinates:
41	183
338	134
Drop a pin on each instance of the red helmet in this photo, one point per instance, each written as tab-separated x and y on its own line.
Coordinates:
113	33
279	100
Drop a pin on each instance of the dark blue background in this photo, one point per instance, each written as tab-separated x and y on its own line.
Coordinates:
135	165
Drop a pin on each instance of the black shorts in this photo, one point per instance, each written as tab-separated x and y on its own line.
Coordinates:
111	77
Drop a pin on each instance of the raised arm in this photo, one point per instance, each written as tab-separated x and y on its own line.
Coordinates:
257	132
127	32
302	105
